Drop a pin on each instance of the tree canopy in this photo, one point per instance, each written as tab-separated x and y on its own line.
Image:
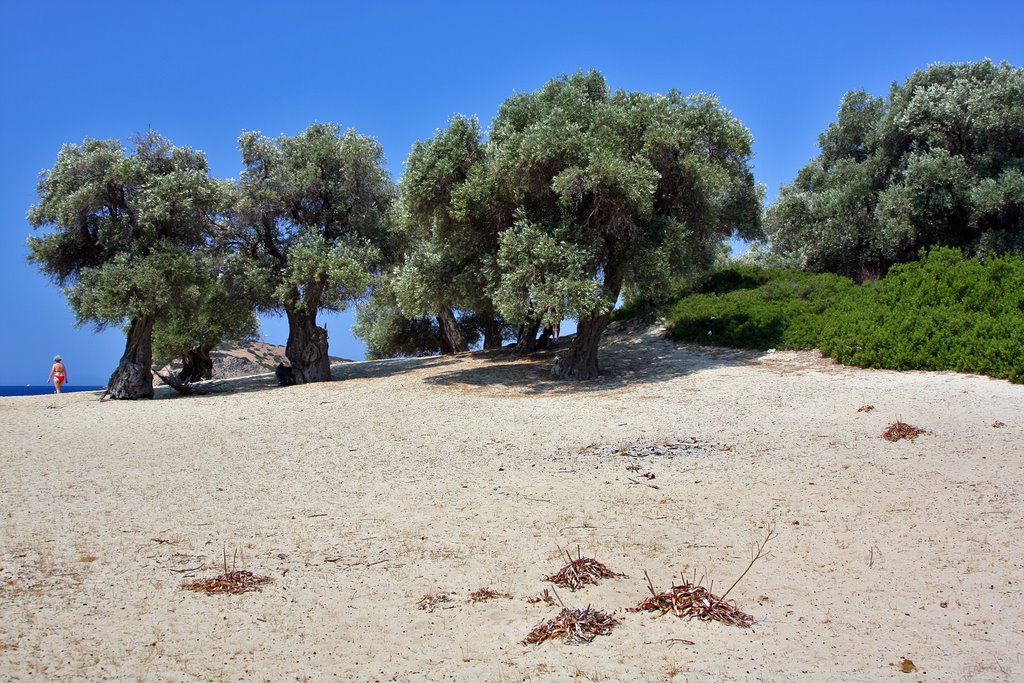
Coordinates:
939	161
449	226
219	308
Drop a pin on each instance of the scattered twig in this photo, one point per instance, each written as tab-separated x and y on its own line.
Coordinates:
574	625
430	601
693	600
190	569
867	408
544	597
581	572
684	641
758	552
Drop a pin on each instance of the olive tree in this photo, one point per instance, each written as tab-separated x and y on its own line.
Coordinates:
609	190
127	231
311	213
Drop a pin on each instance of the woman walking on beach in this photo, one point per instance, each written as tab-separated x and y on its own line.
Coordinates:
58	372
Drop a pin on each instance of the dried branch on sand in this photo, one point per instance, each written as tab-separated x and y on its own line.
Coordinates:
691	599
901	430
575	625
486	594
581	572
230	582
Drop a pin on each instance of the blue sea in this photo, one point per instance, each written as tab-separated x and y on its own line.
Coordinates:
38	390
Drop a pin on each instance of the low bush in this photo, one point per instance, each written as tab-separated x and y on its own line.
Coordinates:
939	313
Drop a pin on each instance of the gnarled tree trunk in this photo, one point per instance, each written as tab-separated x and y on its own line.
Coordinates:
197	364
452	340
307	348
133	377
580	361
527	342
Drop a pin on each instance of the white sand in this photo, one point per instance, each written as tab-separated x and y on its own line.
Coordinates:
414	477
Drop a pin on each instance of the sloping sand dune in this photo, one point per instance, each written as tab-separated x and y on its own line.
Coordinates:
434	476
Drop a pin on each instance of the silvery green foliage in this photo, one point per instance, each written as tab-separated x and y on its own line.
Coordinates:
605	190
216	308
449	223
311	212
129	229
546	278
938	161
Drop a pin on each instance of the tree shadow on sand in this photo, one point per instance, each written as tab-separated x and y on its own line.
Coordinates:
339	372
629	357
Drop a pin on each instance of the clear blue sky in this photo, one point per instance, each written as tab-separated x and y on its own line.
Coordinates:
201	72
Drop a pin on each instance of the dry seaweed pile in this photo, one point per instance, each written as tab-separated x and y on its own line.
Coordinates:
901	430
580	572
486	594
233	582
576	625
694	601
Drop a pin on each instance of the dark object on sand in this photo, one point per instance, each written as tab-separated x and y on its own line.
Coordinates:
233	582
546	340
285	375
901	430
486	594
576	625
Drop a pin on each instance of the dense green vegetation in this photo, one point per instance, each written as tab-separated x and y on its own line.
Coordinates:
942	312
576	195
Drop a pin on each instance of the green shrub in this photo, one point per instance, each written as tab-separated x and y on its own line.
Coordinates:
939	313
783	312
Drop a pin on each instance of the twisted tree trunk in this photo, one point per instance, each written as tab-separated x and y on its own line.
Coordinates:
452	340
307	348
197	364
580	361
133	377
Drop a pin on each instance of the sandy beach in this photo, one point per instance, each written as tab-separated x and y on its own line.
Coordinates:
440	476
